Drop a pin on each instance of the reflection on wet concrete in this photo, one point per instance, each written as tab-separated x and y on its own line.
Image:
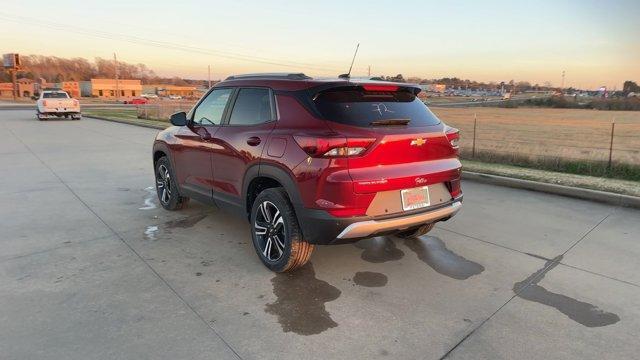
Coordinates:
379	250
300	301
433	252
150	232
370	279
184	223
581	312
148	200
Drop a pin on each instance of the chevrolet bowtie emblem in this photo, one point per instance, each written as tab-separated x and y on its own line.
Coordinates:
418	142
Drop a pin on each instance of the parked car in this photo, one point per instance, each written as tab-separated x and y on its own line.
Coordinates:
149	96
175	97
57	104
312	162
137	101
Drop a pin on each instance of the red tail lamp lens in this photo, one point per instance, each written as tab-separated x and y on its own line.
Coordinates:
333	146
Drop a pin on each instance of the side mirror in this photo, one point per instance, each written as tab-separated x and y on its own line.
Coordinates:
179	118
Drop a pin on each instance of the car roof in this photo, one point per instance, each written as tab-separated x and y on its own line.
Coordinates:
300	81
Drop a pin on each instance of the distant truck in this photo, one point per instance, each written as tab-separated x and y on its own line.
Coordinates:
57	104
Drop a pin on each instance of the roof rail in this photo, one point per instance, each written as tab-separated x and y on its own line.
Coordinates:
284	76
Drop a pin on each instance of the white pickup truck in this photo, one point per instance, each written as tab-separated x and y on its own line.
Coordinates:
56	104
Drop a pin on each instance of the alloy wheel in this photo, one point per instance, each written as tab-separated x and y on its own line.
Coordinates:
269	229
163	183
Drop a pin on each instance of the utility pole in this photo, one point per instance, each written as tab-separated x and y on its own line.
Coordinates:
14	80
562	86
209	75
115	70
369	71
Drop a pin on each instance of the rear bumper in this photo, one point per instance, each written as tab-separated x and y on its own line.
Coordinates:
318	227
370	227
59	113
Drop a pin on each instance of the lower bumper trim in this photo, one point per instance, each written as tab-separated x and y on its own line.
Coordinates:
369	227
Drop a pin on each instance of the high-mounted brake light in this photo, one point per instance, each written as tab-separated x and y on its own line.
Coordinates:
333	146
380	87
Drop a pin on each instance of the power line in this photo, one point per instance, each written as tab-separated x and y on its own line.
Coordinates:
164	44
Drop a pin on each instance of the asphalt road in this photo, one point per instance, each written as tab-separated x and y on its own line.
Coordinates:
91	268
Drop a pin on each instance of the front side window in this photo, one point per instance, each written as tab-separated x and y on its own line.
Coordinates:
211	109
252	106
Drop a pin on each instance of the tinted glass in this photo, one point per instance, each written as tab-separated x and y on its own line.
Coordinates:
55	95
362	108
253	106
211	109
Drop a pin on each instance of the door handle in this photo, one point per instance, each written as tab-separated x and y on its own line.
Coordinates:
254	141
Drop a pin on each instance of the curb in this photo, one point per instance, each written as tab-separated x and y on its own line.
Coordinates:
150	126
569	191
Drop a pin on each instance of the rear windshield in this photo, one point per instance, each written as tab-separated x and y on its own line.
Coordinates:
55	95
373	108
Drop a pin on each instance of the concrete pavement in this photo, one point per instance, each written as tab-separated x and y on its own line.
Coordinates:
92	268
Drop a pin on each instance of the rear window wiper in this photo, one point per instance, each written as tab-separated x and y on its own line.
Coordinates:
390	122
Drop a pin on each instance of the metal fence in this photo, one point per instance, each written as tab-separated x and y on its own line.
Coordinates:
164	109
551	142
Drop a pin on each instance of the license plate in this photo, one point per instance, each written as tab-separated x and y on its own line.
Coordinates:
415	198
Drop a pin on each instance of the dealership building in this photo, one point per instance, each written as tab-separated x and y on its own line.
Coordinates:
110	89
25	89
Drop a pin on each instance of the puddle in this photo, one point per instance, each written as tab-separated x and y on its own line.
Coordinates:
148	200
370	279
150	232
581	312
184	223
379	250
433	252
300	301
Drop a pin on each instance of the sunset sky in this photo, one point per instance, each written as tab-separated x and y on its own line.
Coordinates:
596	42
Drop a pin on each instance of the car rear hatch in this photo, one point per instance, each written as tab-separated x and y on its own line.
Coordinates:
401	143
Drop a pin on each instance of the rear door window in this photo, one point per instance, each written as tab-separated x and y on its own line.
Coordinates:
252	106
357	107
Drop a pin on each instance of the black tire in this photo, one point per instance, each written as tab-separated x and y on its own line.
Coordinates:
273	221
415	232
167	188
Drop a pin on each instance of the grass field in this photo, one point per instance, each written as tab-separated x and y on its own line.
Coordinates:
570	140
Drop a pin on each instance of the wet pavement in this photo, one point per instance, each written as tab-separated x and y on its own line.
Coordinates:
92	268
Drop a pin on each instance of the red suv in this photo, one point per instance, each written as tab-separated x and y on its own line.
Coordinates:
311	161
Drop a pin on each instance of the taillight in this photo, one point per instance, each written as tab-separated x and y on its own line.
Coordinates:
75	102
333	146
454	188
453	135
